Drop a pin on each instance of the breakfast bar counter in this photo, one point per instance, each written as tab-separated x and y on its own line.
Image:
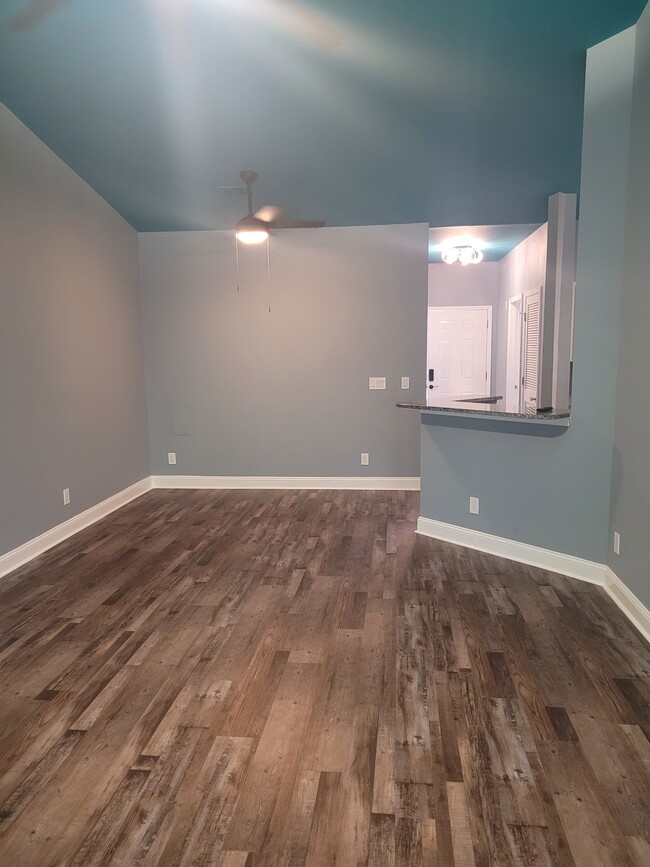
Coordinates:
487	407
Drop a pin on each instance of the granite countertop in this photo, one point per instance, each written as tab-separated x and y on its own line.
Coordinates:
494	405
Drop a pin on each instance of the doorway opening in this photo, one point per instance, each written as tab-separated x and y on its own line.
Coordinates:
514	384
523	351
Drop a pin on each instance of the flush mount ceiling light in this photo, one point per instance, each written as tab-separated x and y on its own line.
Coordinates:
464	250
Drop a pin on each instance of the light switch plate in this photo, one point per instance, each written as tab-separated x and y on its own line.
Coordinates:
377	382
406	382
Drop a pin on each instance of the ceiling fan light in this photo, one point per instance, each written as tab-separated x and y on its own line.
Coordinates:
247	237
250	230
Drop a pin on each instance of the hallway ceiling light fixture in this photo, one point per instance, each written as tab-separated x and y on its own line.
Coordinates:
467	251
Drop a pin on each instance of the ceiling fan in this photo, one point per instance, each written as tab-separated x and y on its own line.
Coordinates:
254	228
291	14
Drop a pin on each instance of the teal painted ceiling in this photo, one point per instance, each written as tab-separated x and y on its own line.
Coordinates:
376	111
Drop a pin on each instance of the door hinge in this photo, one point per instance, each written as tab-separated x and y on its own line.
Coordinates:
524	315
486	375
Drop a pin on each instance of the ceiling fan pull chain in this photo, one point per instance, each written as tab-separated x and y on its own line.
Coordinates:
237	260
268	269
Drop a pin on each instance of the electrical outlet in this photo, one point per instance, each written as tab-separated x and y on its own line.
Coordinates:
377	382
617	542
365	459
171	457
473	505
405	382
66	496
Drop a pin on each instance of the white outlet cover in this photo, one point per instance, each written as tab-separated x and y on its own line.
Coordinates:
66	496
171	457
473	505
365	459
617	542
405	382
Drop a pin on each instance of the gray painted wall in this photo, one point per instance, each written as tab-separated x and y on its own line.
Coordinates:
72	399
285	393
475	286
631	474
555	492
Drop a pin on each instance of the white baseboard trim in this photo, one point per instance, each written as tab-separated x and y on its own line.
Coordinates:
26	552
565	564
553	561
305	483
632	607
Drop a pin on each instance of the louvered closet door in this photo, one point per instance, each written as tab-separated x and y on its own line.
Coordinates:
532	328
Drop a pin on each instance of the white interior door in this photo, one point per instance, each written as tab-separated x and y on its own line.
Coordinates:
514	388
532	342
459	351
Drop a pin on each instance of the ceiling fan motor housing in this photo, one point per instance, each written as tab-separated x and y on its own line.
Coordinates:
251	224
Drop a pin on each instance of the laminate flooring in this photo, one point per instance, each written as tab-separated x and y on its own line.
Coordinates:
257	678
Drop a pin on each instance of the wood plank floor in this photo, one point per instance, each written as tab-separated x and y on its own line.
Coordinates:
246	679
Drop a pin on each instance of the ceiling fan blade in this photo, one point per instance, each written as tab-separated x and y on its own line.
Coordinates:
297	224
269	213
34	11
309	25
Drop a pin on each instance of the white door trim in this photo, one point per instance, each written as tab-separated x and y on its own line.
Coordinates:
512	302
